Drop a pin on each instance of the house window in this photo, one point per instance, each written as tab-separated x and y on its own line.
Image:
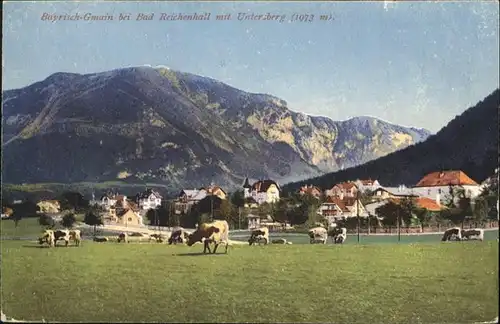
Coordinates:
130	219
439	191
429	191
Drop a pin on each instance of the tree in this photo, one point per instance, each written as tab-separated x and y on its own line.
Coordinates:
389	213
68	220
280	211
46	220
93	218
407	208
480	213
73	200
423	216
237	199
16	217
227	212
159	216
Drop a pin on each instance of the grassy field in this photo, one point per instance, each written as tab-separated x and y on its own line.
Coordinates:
389	283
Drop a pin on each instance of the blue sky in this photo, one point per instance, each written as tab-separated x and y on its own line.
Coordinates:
412	63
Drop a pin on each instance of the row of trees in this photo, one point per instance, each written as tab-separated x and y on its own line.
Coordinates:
93	217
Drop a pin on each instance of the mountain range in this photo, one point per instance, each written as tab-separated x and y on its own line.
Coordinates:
145	124
469	143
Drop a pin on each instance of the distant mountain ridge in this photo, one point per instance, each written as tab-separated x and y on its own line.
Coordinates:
469	143
154	124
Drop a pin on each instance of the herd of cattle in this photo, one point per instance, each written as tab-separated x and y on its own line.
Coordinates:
458	234
51	237
217	233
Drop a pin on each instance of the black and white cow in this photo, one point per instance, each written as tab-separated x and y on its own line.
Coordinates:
452	234
259	235
179	235
473	234
338	234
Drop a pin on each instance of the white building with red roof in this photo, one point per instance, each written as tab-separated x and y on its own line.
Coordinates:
436	185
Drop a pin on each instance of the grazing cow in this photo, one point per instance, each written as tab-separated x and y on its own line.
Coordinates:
157	237
258	235
123	237
61	235
473	234
216	232
338	234
179	235
47	237
318	235
100	239
280	241
452	234
75	236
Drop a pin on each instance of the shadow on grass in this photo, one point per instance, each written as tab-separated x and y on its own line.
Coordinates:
198	254
46	246
36	246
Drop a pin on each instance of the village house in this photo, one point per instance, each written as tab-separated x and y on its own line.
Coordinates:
436	185
125	216
343	190
383	193
262	191
335	208
149	199
187	198
367	185
311	190
107	201
49	206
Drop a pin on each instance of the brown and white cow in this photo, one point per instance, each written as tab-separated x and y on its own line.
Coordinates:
47	237
258	235
61	235
473	234
318	235
216	232
75	236
452	234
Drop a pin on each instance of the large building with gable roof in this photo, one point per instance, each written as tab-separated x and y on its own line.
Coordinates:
262	191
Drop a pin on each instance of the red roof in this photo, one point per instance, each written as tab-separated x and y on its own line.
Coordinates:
310	189
446	178
428	203
424	202
341	203
346	185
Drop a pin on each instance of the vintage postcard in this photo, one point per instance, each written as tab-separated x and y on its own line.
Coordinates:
250	162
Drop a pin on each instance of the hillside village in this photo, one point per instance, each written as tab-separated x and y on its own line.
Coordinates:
263	202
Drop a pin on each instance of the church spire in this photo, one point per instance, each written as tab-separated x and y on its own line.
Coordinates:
246	184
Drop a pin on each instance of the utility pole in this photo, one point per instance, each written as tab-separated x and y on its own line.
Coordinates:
211	207
239	218
357	210
399	227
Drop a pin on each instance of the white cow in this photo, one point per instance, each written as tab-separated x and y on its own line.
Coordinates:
318	235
